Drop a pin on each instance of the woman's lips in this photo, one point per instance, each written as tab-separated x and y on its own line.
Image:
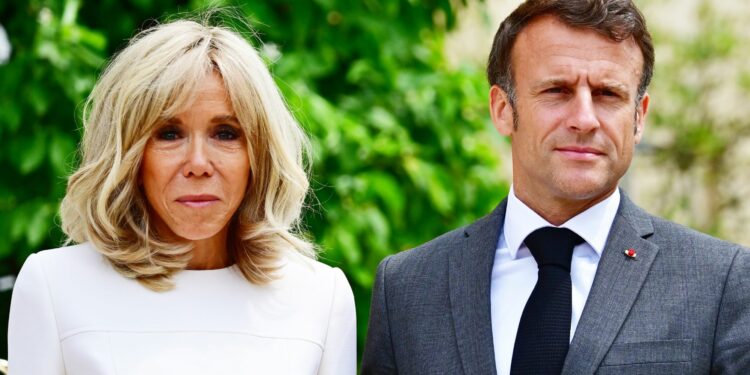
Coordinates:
197	201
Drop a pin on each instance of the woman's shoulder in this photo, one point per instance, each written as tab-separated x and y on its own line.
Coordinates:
74	258
75	253
310	281
68	265
305	269
66	277
316	290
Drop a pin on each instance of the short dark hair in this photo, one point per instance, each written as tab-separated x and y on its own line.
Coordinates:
618	20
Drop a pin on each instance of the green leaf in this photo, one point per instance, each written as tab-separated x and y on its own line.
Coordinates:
382	119
348	245
93	39
434	180
70	12
61	152
39	225
20	219
440	193
50	51
38	97
5	246
384	186
32	153
10	116
362	277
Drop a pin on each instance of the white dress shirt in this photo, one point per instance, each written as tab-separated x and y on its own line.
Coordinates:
514	272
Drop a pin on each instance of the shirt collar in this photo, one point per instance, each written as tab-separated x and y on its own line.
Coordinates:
592	225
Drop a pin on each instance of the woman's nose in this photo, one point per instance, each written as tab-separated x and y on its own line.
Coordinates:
197	160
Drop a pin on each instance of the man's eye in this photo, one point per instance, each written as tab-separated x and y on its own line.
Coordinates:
608	93
168	133
555	90
227	133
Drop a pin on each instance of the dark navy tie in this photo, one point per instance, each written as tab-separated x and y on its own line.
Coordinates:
544	330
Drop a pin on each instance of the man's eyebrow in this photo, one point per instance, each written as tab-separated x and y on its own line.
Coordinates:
550	82
612	85
615	86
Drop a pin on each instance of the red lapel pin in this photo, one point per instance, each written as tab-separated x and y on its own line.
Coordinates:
630	253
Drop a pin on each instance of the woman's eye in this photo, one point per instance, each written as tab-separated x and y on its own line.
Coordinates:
168	133
227	133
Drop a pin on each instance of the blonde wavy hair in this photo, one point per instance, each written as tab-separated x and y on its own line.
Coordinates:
152	79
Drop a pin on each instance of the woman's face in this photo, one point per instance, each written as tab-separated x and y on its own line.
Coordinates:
195	167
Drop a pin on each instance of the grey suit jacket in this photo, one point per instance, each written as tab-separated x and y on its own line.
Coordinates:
681	307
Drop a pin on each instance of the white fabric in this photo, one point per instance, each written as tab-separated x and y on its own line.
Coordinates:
514	272
5	47
72	313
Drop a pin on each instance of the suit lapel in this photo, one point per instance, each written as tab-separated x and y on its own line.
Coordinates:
469	275
616	285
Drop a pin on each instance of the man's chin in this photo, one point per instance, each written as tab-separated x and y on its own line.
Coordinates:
582	189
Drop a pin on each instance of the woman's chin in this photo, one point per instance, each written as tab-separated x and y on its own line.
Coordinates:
197	233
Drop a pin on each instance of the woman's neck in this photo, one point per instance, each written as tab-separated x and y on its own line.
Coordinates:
210	253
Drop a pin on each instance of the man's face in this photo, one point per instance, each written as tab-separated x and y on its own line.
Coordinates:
575	111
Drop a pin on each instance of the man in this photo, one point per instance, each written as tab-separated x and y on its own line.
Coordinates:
567	275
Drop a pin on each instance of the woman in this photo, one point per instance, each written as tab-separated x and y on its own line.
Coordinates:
183	208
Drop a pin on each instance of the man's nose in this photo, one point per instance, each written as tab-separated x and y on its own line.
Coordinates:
583	117
198	160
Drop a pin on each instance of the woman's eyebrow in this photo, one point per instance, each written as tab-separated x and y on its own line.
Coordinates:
171	120
225	118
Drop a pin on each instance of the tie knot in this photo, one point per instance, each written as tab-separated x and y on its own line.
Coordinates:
553	246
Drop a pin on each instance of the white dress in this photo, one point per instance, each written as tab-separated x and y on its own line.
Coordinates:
72	313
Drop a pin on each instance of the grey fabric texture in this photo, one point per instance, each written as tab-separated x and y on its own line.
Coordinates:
681	307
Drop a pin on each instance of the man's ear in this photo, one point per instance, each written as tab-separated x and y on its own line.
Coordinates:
640	117
501	111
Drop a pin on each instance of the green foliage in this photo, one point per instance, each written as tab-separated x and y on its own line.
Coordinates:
52	69
402	147
58	50
402	143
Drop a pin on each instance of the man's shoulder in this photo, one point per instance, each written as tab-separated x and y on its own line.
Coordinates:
434	251
475	239
669	234
421	271
682	242
672	234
